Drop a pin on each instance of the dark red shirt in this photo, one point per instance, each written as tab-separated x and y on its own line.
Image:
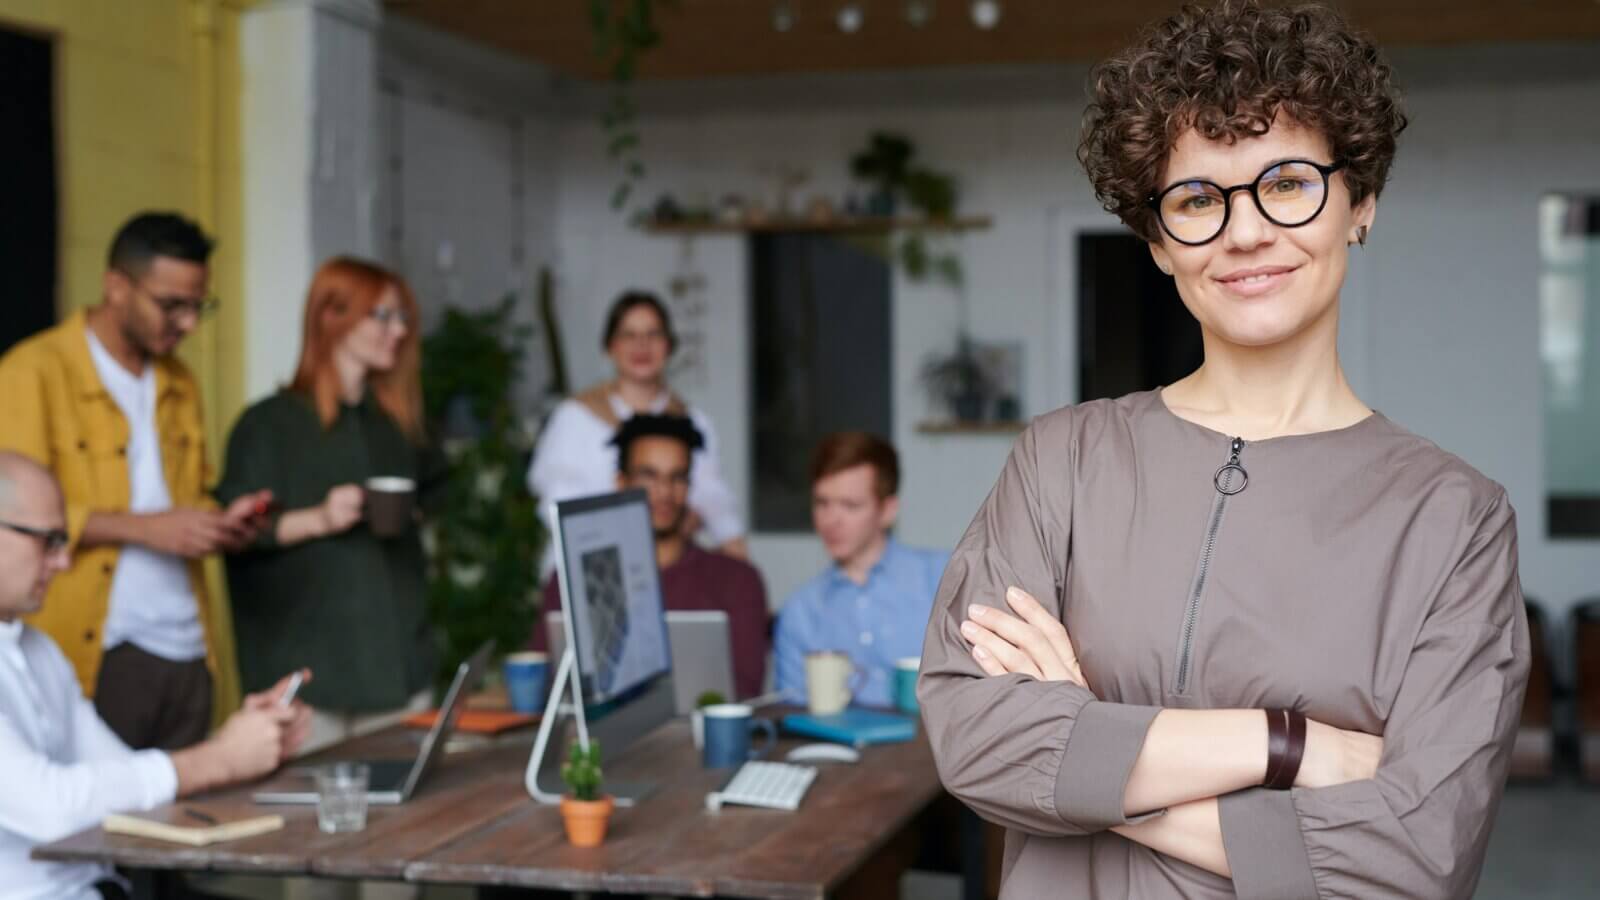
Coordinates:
703	580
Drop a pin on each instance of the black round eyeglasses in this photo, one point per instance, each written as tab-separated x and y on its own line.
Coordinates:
1289	193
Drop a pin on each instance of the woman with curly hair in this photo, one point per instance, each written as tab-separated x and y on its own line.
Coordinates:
1242	635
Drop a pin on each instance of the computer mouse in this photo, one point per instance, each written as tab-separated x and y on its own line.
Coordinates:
814	753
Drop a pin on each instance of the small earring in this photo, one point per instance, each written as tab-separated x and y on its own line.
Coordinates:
1361	235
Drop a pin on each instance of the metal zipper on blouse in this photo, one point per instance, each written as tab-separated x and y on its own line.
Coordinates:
1224	481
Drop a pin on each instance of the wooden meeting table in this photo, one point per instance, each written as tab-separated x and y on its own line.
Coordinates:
472	823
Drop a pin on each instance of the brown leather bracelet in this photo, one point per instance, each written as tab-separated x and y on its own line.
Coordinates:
1289	766
1277	743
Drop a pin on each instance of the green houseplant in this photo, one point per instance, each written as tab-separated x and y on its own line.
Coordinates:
883	164
889	164
484	543
584	810
959	382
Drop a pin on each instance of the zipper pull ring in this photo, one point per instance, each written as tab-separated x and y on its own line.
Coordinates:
1223	480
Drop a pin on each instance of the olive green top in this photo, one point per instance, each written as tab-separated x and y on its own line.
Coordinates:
351	606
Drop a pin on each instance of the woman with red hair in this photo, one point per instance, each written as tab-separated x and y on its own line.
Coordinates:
319	586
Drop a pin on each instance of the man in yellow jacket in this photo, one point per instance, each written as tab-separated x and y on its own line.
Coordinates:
101	401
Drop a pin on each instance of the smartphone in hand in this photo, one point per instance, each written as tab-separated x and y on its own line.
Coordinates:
295	681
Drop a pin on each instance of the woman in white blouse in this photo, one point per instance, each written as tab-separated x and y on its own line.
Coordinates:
574	457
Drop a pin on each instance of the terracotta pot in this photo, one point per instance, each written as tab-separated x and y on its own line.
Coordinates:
586	820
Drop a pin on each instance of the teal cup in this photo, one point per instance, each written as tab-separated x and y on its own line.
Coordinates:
905	684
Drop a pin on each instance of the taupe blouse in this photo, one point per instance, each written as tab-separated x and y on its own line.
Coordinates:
1362	576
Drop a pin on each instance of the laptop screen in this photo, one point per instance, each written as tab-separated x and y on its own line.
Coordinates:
455	699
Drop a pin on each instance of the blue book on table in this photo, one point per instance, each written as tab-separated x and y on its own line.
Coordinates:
856	727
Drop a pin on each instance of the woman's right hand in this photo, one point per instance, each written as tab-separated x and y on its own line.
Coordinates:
1335	756
342	508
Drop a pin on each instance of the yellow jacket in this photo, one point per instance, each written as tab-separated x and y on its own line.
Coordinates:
54	409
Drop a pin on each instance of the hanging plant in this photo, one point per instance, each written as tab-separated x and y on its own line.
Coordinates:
623	31
888	164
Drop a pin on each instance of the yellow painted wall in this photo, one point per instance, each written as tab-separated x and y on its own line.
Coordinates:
147	95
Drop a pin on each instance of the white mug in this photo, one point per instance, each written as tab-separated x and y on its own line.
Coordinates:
831	680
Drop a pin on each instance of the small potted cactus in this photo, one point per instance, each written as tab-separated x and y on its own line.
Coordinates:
584	810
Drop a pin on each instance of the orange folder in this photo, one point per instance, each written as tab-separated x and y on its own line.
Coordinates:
476	721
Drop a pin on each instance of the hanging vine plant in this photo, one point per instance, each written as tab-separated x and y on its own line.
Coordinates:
888	164
623	31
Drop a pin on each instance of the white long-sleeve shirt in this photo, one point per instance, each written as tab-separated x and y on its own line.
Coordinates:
573	460
61	769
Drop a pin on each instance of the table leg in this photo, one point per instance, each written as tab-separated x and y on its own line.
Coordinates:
158	884
879	877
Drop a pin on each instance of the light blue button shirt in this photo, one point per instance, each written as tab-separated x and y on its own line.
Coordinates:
875	623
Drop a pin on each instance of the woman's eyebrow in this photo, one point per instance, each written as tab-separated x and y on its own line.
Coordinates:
1185	180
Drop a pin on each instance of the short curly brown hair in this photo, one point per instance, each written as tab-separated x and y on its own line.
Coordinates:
1226	71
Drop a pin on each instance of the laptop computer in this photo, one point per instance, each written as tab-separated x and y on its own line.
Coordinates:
702	655
393	781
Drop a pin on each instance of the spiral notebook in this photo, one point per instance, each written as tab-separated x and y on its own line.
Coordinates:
193	826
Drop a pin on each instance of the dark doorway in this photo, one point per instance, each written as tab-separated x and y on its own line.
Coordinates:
821	360
28	236
1134	333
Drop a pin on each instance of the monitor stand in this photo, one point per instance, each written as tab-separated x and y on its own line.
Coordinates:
619	729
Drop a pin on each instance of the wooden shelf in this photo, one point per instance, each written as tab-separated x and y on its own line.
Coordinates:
876	224
970	427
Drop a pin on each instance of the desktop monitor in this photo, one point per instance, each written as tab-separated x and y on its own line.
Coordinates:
702	658
616	628
606	568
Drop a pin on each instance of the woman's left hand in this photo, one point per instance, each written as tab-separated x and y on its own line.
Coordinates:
1032	642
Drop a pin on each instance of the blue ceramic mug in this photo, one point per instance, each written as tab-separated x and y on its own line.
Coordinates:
727	735
526	675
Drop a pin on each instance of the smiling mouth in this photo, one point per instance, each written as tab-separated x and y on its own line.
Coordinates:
1256	282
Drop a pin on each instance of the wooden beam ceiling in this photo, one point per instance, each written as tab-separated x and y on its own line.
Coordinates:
712	38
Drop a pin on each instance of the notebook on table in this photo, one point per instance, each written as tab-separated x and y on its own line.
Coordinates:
192	826
855	727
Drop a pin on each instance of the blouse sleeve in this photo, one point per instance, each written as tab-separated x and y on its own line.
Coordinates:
1046	758
1421	826
252	464
563	460
709	494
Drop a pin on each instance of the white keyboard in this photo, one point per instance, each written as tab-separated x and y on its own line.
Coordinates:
774	785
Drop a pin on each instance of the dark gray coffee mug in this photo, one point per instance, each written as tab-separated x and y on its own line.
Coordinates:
389	503
727	735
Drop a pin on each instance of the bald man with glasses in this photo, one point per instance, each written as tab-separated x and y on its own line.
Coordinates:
64	770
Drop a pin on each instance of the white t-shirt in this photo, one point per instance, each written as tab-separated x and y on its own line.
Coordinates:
573	460
63	769
152	604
